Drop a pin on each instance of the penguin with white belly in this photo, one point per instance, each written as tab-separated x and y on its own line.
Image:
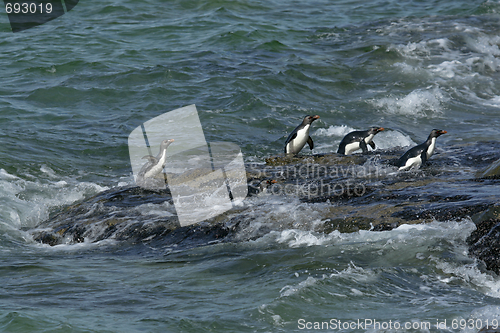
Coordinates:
300	135
358	140
149	175
418	155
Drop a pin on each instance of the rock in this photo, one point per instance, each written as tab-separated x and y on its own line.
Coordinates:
352	193
492	171
484	242
331	159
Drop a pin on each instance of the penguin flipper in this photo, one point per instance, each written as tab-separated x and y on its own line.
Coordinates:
363	146
423	156
372	144
290	138
310	143
150	158
402	160
341	149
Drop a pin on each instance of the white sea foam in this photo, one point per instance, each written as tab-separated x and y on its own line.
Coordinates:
5	175
458	69
494	101
296	238
398	238
408	239
447	69
48	171
25	203
334	131
424	49
412	49
71	246
444	63
419	103
291	290
469	274
351	272
390	139
485	44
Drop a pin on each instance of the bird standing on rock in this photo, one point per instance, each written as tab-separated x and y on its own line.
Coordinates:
155	165
358	140
300	135
418	155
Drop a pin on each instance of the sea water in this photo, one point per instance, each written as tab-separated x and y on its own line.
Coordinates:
73	89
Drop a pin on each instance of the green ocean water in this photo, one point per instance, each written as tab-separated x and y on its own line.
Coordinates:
73	89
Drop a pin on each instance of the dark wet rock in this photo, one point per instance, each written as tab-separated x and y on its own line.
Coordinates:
189	236
357	192
440	211
385	226
484	242
330	159
113	213
48	238
487	246
348	225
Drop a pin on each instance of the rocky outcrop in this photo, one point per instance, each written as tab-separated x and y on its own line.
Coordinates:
359	192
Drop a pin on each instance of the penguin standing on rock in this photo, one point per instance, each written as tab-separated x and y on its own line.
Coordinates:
418	155
154	166
358	140
300	135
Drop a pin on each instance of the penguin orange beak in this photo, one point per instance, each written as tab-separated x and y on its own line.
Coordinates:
443	132
380	129
273	181
316	117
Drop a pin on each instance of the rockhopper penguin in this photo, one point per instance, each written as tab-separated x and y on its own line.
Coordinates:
300	135
358	140
155	165
418	155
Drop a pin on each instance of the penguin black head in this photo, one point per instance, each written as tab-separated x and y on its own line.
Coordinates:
375	130
436	132
309	119
165	143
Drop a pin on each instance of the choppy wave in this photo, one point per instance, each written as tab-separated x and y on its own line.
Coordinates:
73	89
464	59
424	263
418	103
26	200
